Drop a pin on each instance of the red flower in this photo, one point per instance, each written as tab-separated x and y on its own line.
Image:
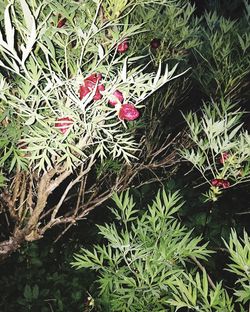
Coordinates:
63	124
117	97
89	84
220	183
155	43
225	184
224	156
61	22
123	46
128	112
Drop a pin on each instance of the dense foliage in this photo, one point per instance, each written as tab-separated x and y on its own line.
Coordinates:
72	88
100	96
146	263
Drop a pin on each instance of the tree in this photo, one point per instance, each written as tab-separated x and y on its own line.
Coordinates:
82	117
72	91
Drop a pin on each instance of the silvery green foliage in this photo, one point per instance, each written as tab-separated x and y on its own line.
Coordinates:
145	252
43	66
221	146
223	56
145	263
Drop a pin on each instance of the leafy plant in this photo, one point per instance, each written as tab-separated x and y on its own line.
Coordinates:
172	34
85	112
222	56
221	147
144	253
45	85
239	249
62	66
150	261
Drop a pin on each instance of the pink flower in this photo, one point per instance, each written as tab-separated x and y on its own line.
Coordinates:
63	124
214	182
155	43
225	184
117	97
224	156
123	46
220	183
128	112
89	84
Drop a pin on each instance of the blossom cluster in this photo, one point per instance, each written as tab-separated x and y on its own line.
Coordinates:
93	83
220	183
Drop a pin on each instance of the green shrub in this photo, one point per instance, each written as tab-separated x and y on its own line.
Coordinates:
223	56
221	147
151	262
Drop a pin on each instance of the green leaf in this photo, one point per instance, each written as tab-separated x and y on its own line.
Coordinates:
28	292
35	292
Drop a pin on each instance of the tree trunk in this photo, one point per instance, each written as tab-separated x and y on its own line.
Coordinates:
9	246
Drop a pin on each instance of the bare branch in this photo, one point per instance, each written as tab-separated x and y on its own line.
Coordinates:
42	197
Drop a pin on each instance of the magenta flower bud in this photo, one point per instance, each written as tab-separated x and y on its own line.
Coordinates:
63	124
61	22
89	84
220	183
128	112
224	156
214	182
225	184
117	97
155	43
123	46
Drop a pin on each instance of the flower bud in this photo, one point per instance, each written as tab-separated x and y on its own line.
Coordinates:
61	22
220	183
224	156
225	184
123	46
63	124
117	97
155	43
214	182
89	84
128	112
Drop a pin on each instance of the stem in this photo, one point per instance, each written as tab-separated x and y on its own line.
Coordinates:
242	213
202	268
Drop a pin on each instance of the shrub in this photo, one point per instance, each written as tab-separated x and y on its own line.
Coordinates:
151	262
223	56
62	66
221	147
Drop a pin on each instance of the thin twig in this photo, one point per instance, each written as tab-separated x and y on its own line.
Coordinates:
242	213
63	232
202	268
